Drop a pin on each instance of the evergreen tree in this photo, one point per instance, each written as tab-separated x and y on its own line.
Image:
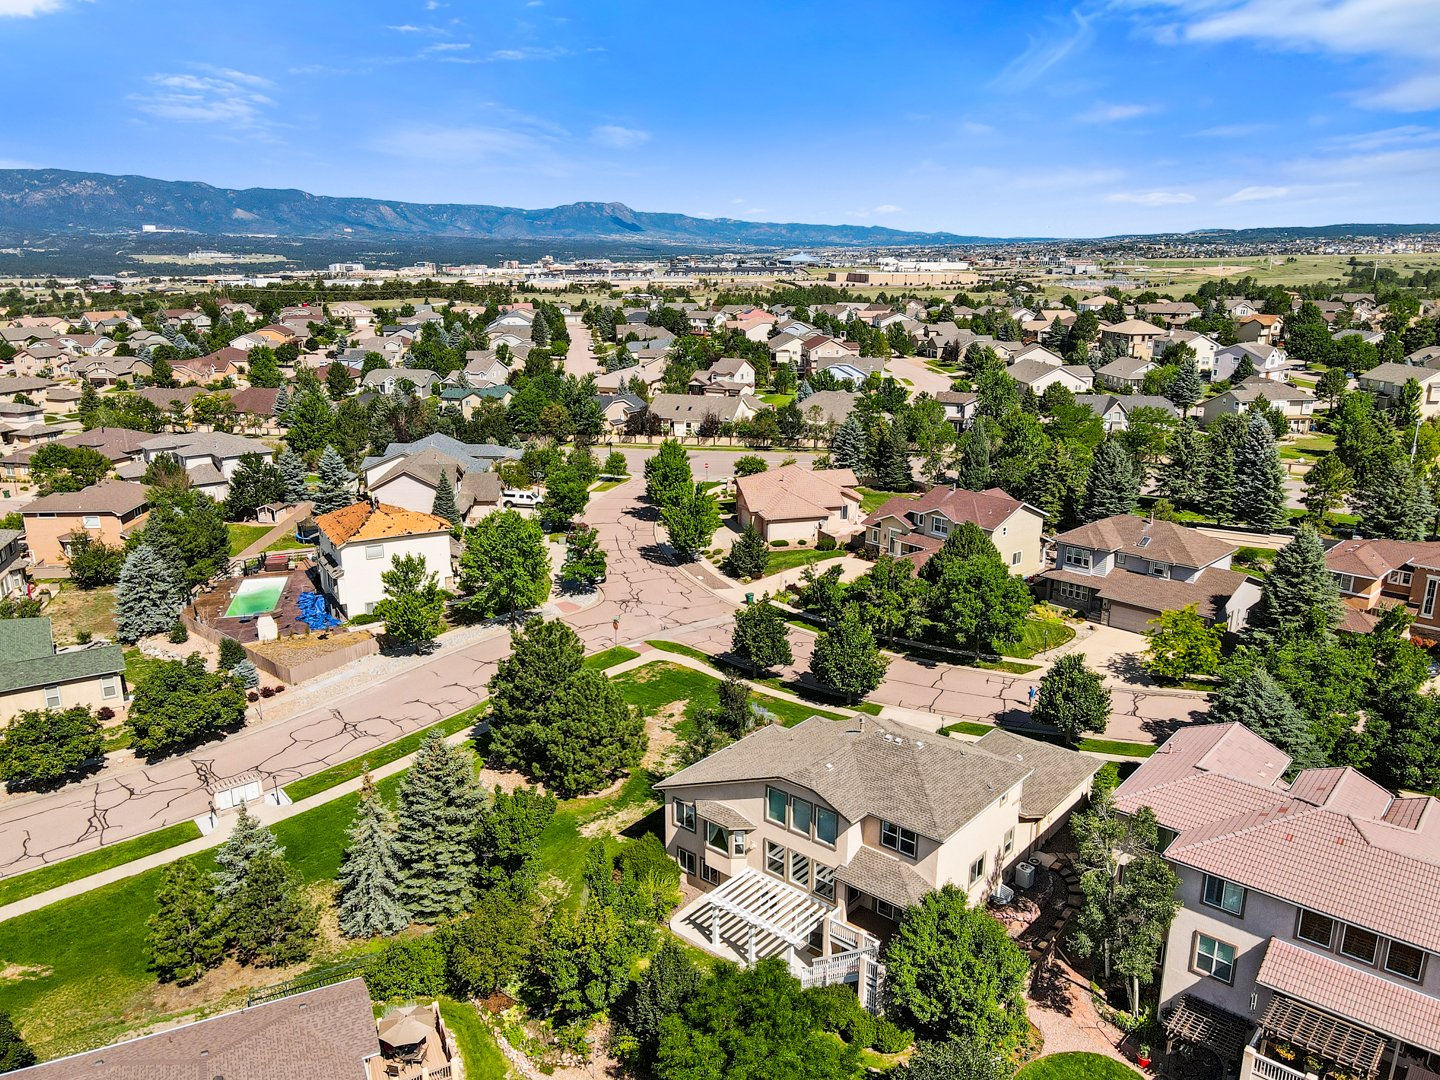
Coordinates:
667	984
749	555
439	809
269	920
1394	503
15	1052
850	448
246	673
590	734
247	842
369	876
282	407
544	656
1299	595
890	459
1113	487
1072	699
1252	697
293	475
1326	485
148	595
1259	479
444	505
509	840
973	459
1187	388
804	390
185	938
336	488
846	659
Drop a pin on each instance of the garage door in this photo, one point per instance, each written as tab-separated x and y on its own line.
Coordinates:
1125	617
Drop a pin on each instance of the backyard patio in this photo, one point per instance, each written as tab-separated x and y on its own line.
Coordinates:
234	605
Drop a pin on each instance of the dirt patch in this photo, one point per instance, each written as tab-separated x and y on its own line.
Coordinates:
506	780
219	988
661	730
21	972
294	650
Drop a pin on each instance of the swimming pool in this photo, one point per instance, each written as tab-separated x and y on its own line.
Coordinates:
254	596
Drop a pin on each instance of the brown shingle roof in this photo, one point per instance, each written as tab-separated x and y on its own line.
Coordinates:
117	497
323	1034
1210	592
1376	558
987	509
1057	771
361	521
797	493
883	875
1166	542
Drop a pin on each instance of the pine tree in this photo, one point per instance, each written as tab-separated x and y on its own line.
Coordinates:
1299	594
369	876
246	843
444	505
148	595
1187	388
1182	476
269	920
337	483
804	390
749	555
1113	487
439	809
1256	700
293	472
1394	503
850	448
890	459
973	459
1259	479
184	939
282	407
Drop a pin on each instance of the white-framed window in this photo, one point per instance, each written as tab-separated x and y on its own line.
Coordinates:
1009	844
92	521
824	881
800	869
1077	557
110	686
1428	608
1345	582
1120	558
737	843
977	869
1405	960
717	838
708	873
1315	928
1160	570
684	814
887	910
873	535
899	839
1215	958
800	816
52	697
775	858
1070	591
686	858
1399	577
1015	558
374	551
1360	944
777	803
1225	895
939	525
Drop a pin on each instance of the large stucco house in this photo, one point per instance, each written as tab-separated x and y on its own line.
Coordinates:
915	529
358	543
794	502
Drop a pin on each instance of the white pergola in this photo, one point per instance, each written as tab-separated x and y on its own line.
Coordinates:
760	915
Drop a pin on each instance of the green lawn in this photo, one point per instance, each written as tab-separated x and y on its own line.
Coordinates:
609	658
1040	635
288	543
789	558
1316	442
381	755
1095	746
606	485
777	400
658	684
1076	1067
968	727
93	862
872	499
243	535
482	1058
138	666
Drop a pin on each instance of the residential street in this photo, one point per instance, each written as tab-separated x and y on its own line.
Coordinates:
646	594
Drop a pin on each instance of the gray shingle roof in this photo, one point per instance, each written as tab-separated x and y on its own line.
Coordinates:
1057	771
28	657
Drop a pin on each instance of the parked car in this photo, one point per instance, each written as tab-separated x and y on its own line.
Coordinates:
513	497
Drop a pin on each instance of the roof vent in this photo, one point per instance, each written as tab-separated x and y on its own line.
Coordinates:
828	766
889	737
919	745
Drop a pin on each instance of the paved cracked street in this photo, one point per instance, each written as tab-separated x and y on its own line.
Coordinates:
647	594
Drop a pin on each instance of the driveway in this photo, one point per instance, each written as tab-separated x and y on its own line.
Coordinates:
913	370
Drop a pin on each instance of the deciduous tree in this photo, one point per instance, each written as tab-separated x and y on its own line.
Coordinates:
178	703
505	568
690	516
846	659
1072	699
413	606
760	637
43	748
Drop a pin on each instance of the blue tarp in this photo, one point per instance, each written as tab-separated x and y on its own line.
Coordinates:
315	613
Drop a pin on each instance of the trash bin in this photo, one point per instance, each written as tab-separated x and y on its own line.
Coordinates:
749	598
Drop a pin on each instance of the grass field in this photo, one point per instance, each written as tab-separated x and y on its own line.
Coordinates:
609	658
1291	270
1076	1067
482	1058
1040	635
93	862
74	611
1113	747
243	535
789	558
871	499
288	543
606	485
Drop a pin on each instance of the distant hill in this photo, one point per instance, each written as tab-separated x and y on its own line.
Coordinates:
58	202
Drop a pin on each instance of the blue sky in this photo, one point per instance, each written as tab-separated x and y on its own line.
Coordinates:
993	117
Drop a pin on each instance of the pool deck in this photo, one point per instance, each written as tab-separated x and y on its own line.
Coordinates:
211	607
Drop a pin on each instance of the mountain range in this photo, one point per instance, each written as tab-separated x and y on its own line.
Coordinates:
59	202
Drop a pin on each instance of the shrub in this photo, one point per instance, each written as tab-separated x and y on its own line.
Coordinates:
826	543
833	1005
84	637
252	697
780	543
104	714
231	653
859	1028
267	691
803	543
411	970
178	634
890	1037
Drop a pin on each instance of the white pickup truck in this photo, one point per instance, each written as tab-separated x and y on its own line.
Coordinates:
513	497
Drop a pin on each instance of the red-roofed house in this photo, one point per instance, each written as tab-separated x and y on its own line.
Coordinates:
795	502
1377	574
822	347
1308	922
915	528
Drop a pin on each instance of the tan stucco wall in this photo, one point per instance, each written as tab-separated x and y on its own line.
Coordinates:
43	535
87	692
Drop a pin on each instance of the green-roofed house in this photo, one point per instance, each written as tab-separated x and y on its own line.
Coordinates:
468	398
33	675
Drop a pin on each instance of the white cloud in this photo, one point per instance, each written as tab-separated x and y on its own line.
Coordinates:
1255	193
1400	31
1232	131
887	208
1151	198
213	96
618	138
974	127
528	53
1043	53
406	28
1404	136
28	9
448	46
1110	114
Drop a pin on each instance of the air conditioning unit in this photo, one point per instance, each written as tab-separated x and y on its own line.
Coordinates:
1024	875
